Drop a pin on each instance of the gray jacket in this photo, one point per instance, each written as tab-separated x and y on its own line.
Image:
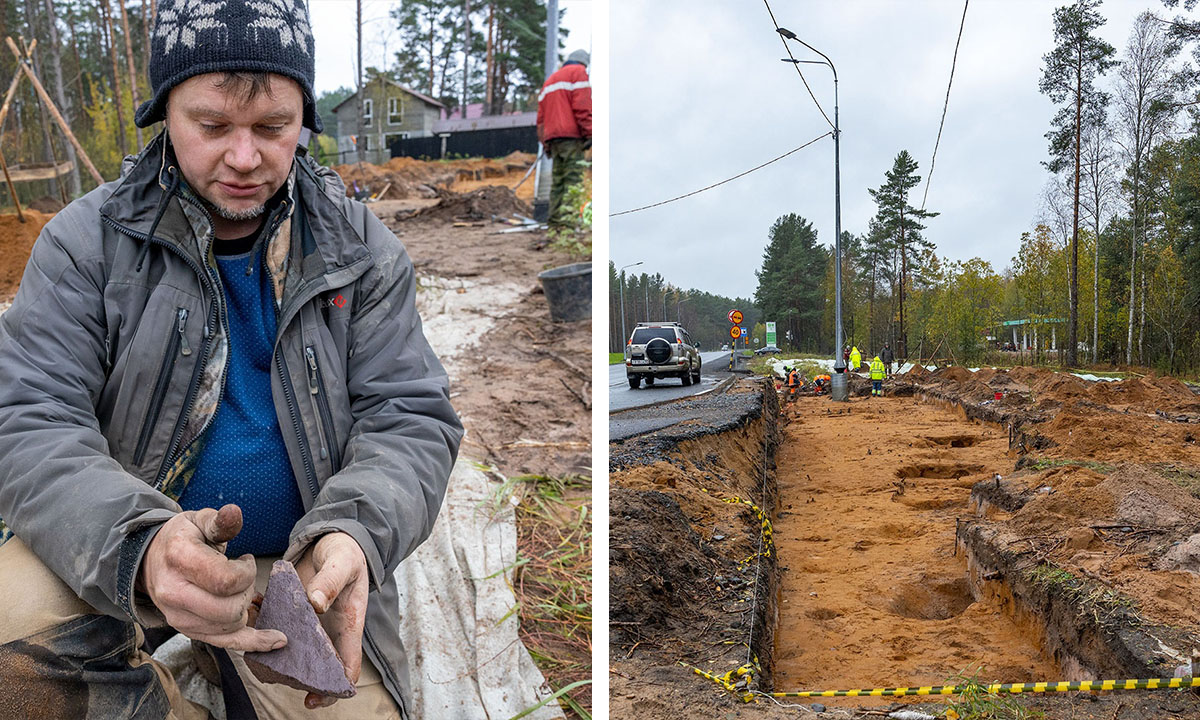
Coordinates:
112	363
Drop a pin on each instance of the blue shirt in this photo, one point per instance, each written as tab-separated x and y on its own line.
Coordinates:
244	460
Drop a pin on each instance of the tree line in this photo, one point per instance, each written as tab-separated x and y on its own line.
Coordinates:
650	298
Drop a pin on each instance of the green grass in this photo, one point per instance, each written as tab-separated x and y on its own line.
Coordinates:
616	358
552	581
974	702
1104	605
1048	463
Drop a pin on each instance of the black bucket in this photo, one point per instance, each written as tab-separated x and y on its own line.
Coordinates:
568	291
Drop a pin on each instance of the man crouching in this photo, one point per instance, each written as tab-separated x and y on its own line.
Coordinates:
213	362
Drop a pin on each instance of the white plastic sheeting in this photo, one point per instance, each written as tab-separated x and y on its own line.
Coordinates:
458	612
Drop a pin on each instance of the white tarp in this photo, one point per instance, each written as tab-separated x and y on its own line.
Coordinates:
458	612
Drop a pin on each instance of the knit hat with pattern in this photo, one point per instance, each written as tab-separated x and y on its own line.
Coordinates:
194	37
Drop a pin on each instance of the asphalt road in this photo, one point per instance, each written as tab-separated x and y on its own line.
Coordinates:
623	397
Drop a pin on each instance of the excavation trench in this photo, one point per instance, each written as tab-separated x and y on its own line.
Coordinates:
874	591
918	539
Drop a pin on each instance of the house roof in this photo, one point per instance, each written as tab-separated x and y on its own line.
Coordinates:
423	98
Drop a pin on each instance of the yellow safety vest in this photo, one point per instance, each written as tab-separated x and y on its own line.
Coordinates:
876	369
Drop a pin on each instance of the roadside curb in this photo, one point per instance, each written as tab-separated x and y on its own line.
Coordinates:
721	386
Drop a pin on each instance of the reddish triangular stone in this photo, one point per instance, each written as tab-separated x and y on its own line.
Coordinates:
308	661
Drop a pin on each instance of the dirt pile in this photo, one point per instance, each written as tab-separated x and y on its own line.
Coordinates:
16	242
954	373
1065	416
485	203
401	177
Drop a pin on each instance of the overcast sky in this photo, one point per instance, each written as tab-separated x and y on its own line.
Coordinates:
333	32
699	94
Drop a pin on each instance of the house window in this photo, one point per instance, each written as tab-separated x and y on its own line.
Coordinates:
368	111
395	111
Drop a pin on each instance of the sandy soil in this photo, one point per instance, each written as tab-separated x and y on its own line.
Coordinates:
875	593
16	241
401	177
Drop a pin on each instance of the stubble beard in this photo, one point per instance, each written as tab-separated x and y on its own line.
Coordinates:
234	215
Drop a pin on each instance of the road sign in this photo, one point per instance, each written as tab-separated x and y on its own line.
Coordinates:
735	332
744	332
735	317
770	333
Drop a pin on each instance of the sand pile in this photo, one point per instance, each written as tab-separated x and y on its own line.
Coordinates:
1028	376
16	242
1060	387
402	177
955	373
1064	497
917	372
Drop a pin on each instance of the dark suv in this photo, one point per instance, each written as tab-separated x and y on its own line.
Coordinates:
662	349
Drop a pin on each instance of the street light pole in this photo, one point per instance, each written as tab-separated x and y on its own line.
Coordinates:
624	335
839	390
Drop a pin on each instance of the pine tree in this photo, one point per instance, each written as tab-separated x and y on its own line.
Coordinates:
790	288
1068	79
901	224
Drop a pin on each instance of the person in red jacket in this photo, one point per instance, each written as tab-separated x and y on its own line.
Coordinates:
564	126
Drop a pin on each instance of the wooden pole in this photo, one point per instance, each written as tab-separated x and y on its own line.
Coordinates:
12	90
11	190
41	91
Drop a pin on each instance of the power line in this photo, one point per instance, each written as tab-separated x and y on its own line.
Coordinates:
942	124
735	177
795	64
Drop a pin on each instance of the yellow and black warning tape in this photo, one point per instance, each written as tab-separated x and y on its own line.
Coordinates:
764	525
995	689
737	681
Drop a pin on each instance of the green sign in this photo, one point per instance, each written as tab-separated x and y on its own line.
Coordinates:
770	333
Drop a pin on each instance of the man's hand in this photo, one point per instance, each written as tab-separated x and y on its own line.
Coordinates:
334	573
200	592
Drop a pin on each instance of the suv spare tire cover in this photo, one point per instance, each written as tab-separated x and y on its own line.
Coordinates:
658	351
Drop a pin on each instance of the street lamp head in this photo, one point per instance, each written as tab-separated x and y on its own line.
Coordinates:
786	33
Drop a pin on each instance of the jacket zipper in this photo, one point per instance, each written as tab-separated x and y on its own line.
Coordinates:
316	391
177	345
206	349
289	395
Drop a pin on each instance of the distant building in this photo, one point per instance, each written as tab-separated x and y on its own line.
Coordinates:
391	111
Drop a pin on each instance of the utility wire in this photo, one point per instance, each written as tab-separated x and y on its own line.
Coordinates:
942	124
735	177
796	65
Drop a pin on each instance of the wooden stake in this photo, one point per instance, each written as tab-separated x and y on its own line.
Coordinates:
41	91
12	190
12	90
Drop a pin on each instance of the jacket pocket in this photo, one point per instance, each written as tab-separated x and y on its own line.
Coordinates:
320	398
177	345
